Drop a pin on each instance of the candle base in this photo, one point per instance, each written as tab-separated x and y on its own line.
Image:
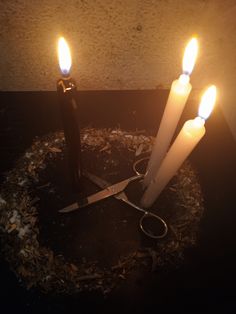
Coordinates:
96	247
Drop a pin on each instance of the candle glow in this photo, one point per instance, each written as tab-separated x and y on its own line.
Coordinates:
64	56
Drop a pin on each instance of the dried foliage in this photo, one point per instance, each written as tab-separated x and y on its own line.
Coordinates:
38	266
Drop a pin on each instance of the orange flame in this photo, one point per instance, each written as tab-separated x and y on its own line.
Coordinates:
64	56
207	102
190	56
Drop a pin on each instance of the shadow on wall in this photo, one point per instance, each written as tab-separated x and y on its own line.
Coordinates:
219	31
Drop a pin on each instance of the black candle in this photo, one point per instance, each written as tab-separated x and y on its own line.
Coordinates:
67	94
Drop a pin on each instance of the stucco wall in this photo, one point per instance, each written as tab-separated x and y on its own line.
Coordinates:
131	44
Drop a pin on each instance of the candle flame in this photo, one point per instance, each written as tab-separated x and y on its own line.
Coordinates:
190	56
207	102
64	56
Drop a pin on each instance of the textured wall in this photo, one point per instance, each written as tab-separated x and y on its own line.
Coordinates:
130	44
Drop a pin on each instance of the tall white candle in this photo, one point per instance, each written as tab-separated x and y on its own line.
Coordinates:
180	90
189	136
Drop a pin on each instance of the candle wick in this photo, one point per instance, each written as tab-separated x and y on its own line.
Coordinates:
202	118
186	73
65	74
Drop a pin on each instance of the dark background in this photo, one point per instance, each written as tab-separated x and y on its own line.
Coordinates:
205	282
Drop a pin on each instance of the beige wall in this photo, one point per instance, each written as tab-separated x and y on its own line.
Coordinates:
130	44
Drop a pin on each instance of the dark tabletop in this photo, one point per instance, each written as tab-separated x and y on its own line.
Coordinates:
205	282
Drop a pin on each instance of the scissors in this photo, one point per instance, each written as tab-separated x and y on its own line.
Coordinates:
117	190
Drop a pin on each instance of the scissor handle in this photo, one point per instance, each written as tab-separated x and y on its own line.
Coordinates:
146	214
148	232
135	165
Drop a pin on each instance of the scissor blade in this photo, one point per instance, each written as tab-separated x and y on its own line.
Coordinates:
96	180
69	208
93	178
89	200
107	192
103	184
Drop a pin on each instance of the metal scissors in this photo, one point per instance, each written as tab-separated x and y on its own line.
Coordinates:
117	190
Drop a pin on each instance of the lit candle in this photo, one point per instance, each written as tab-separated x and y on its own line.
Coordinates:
189	136
67	92
180	90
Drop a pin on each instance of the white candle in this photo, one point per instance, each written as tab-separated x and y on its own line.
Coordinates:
189	136
180	90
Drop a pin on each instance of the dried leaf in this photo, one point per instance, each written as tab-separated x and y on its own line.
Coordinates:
55	150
